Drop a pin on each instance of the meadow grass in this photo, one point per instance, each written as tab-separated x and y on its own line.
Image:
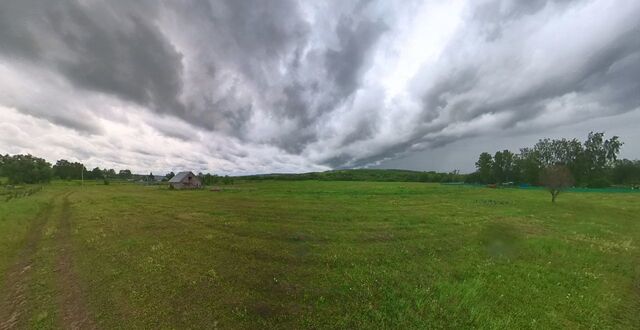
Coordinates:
15	217
310	254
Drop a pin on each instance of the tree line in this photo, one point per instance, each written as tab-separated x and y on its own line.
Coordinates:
373	175
66	170
25	169
30	169
593	163
19	169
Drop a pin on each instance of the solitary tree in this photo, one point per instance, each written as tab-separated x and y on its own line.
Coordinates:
556	178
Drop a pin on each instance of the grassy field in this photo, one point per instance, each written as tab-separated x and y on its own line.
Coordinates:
311	254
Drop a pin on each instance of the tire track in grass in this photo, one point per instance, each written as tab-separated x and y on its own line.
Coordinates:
14	292
72	302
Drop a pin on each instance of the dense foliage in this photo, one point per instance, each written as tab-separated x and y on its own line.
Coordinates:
66	170
593	163
626	172
25	169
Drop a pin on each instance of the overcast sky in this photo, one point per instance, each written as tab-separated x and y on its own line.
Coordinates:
262	86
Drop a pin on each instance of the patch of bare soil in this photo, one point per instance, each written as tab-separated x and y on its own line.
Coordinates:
14	291
73	307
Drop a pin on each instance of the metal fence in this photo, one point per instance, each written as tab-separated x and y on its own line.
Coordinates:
530	187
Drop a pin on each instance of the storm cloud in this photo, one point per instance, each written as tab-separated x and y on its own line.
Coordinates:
284	85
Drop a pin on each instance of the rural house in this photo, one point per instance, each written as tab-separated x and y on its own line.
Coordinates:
185	180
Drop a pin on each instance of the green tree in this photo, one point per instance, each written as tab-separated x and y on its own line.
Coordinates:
590	163
62	169
563	152
599	156
528	166
67	170
26	169
96	174
125	174
503	166
484	165
3	160
558	152
110	173
626	172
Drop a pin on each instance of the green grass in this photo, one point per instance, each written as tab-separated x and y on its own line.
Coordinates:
310	254
15	216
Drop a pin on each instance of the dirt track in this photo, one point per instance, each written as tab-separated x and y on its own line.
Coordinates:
14	292
71	300
73	312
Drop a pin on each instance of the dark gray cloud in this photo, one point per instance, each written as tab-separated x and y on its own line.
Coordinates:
112	47
313	84
135	63
604	75
345	64
495	15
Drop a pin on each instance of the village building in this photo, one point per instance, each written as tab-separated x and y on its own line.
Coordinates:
185	180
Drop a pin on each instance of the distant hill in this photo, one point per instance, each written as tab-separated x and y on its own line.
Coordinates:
377	175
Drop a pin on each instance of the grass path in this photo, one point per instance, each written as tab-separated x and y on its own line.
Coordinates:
24	284
14	293
72	301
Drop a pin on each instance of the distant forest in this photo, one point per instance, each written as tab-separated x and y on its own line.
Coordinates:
378	175
593	163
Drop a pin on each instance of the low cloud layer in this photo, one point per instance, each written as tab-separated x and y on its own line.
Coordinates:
263	86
